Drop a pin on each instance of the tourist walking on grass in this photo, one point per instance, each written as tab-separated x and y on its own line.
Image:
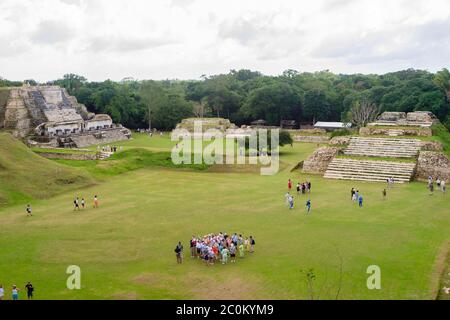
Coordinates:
15	292
298	188
76	205
289	185
431	187
287	198
30	289
291	202
352	192
83	203
384	194
179	252
360	200
95	202
2	292
308	206
29	210
443	186
252	244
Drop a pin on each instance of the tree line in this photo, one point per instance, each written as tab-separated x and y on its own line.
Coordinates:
245	95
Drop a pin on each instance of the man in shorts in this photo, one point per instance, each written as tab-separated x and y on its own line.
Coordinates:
29	214
76	205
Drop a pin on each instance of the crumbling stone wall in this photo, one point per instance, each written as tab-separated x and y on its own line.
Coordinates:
69	156
371	131
392	116
340	141
207	123
311	139
431	146
435	164
318	162
421	116
108	136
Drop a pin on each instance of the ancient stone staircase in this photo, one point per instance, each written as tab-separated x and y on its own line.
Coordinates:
379	147
103	155
374	170
368	170
395	132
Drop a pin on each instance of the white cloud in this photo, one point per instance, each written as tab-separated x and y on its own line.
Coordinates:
183	39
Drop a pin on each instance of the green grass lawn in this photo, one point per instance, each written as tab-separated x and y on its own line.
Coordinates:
125	248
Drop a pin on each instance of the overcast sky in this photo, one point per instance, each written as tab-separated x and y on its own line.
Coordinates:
185	39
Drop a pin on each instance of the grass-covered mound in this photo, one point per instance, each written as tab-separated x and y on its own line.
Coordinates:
24	175
442	135
129	160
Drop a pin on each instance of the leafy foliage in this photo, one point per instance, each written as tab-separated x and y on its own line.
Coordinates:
244	96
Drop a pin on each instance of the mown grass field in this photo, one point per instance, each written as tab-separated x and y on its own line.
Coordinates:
125	248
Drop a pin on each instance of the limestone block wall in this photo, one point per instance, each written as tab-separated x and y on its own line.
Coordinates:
435	164
340	141
17	116
318	162
371	131
108	136
94	124
69	156
431	146
311	139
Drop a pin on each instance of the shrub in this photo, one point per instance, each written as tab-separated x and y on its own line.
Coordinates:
341	132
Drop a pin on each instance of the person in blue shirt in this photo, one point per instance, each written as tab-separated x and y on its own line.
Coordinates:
360	201
308	206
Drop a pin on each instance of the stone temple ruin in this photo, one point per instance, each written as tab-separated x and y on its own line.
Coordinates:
376	159
49	117
414	119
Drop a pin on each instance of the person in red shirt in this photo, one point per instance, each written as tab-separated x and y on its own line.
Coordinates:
289	184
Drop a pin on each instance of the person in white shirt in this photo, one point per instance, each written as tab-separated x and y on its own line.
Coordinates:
2	292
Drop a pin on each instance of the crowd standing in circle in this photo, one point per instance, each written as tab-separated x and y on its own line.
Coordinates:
217	248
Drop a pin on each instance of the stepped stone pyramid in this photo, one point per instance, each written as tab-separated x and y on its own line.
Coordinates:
377	171
49	117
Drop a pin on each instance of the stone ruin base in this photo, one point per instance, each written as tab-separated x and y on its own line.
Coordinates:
434	164
318	162
383	131
82	140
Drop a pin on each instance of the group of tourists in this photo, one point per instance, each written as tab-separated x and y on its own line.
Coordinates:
302	188
15	291
81	204
441	185
219	247
357	197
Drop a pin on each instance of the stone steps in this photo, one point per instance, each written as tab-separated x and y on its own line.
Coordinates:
103	155
388	147
365	170
395	133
